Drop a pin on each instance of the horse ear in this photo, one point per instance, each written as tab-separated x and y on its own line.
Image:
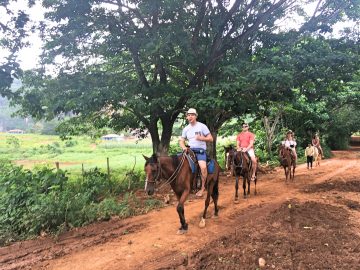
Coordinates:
146	158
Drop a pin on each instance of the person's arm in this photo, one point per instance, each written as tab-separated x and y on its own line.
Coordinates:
251	143
207	138
182	143
237	144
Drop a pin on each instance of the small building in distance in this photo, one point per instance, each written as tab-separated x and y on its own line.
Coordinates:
113	137
16	131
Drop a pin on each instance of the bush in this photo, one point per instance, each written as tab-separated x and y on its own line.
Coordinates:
70	143
44	200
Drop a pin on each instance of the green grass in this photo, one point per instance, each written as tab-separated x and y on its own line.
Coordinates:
42	149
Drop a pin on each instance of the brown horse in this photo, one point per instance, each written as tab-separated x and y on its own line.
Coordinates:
240	165
178	172
287	160
228	150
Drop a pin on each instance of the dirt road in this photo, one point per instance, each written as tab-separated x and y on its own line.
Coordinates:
311	223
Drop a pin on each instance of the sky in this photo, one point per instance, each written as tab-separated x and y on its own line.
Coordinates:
29	57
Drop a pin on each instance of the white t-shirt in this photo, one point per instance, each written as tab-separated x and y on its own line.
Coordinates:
289	143
189	133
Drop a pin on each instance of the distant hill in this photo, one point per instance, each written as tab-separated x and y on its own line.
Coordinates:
8	121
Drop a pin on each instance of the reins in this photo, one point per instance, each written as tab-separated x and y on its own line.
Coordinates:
175	173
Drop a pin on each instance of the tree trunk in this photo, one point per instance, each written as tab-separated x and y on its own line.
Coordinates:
154	133
167	124
270	131
211	146
161	145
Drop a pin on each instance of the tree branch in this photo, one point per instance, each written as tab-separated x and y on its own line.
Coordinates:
138	66
197	28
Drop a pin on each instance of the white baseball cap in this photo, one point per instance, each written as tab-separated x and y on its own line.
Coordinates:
191	111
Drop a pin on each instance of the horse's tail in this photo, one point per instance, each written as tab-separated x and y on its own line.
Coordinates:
215	192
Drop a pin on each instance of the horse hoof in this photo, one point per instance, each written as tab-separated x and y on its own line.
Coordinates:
215	216
181	231
236	201
202	223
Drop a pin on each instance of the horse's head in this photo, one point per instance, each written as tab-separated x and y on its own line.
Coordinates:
229	156
282	151
153	173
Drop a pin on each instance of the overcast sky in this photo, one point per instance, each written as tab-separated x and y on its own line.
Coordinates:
29	57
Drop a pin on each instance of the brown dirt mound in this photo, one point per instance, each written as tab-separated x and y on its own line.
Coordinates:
298	236
351	185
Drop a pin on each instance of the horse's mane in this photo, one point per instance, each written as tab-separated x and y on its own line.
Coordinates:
175	160
152	159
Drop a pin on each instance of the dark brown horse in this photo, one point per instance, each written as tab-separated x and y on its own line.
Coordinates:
240	164
228	161
287	160
178	172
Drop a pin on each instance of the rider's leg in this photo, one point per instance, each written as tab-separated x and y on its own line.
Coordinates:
295	154
203	169
254	163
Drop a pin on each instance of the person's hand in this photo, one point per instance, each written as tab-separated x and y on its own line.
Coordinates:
243	149
185	149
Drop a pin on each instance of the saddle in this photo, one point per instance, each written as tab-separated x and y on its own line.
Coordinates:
192	159
195	169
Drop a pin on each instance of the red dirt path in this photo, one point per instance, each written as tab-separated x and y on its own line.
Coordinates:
311	223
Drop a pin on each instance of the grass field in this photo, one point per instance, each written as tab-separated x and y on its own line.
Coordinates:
30	150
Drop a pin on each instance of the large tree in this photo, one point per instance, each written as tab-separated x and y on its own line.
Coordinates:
136	63
14	29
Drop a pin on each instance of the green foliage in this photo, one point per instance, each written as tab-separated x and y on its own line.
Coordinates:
344	122
44	200
96	184
13	142
70	143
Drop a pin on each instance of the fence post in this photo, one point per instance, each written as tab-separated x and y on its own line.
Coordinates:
82	171
57	165
108	172
108	167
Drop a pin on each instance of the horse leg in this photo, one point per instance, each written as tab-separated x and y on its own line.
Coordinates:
293	175
255	186
180	209
236	187
248	182
215	196
210	187
245	177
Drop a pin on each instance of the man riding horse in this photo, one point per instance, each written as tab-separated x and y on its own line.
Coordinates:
245	143
198	135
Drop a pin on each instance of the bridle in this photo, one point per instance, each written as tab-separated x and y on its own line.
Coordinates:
159	173
241	161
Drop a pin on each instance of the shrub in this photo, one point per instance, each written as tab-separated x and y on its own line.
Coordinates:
70	143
